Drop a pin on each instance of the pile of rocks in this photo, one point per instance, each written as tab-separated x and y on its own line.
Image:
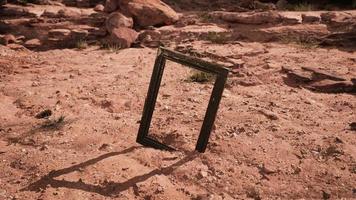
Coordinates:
127	16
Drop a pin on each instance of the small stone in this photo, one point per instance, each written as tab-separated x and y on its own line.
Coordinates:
44	147
35	84
44	114
338	140
202	174
326	195
269	114
160	189
104	147
127	104
353	126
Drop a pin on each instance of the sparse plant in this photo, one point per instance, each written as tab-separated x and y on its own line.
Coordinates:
205	17
302	41
23	2
303	7
55	123
307	43
217	38
113	47
200	76
81	44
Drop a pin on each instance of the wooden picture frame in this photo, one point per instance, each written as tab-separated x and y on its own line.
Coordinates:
156	78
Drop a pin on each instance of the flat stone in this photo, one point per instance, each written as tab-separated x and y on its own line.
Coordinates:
33	43
248	17
59	33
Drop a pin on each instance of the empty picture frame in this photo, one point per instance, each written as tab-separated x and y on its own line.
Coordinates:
156	78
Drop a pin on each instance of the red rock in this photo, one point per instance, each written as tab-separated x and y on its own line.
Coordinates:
33	43
338	20
150	38
8	39
310	19
117	20
69	13
59	33
99	8
149	12
111	6
249	18
123	37
153	34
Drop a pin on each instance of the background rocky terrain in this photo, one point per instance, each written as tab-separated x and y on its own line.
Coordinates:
74	76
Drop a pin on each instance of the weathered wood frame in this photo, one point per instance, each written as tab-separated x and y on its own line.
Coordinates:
156	78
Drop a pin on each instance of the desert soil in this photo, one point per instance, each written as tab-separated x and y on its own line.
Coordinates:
272	138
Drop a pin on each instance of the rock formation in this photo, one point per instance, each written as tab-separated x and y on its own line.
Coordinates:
127	14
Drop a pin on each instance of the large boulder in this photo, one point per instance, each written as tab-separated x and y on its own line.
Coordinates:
149	12
117	20
123	37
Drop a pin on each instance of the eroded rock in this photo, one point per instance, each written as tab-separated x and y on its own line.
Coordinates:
33	43
8	39
149	12
59	33
111	6
249	18
117	20
338	20
310	18
123	37
330	86
69	13
99	8
150	38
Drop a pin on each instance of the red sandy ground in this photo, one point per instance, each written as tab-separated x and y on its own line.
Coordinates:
271	139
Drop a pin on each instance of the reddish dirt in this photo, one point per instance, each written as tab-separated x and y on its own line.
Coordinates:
272	139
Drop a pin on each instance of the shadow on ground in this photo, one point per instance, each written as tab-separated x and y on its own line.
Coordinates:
108	189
